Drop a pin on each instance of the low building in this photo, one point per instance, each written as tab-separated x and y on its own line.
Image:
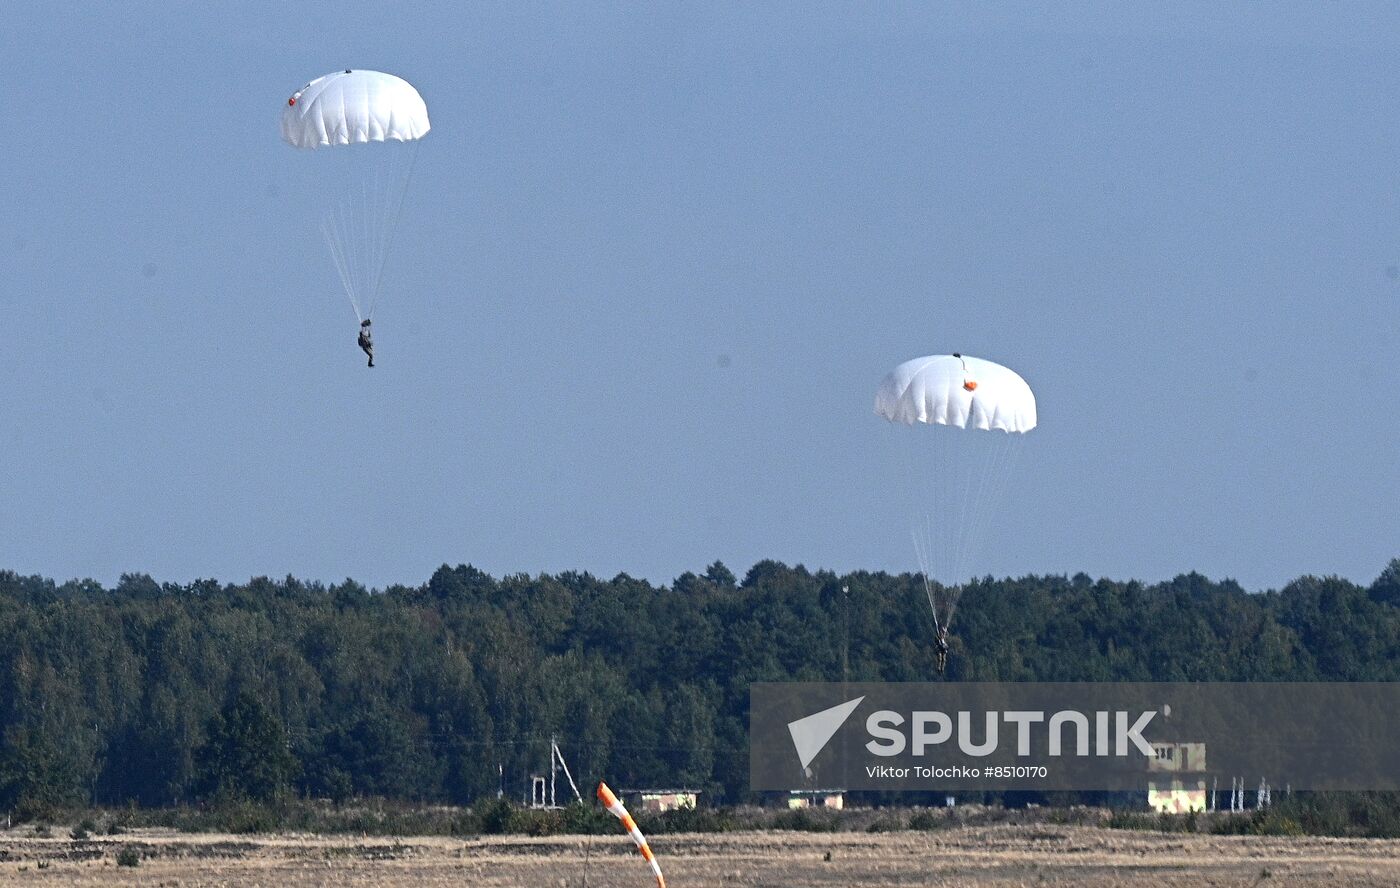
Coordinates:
1176	778
817	798
657	800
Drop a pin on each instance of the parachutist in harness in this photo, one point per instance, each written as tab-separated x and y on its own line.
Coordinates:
365	340
940	643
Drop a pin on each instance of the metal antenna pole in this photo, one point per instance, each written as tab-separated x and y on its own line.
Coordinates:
565	765
846	634
845	669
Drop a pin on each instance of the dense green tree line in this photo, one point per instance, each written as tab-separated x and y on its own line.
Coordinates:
165	694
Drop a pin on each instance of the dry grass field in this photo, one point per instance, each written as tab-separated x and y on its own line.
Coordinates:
1004	855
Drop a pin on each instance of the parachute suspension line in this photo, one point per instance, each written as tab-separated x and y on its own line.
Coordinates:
936	526
978	509
393	226
355	226
958	481
921	486
359	230
939	502
335	242
945	502
374	198
975	505
368	234
961	538
364	245
996	477
396	181
376	213
384	179
921	552
1006	472
948	503
965	489
345	225
972	508
1001	480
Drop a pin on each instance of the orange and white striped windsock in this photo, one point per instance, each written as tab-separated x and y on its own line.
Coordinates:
616	808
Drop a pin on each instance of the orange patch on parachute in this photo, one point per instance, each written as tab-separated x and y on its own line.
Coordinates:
970	384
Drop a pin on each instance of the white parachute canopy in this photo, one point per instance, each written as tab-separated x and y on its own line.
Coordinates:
957	390
354	107
967	417
373	121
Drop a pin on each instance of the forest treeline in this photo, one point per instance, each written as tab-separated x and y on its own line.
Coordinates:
160	694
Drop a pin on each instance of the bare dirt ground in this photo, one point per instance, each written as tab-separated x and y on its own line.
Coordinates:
1003	855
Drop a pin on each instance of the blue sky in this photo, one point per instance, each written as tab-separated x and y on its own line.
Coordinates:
654	262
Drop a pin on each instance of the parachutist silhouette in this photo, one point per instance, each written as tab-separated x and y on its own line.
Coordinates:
940	643
366	342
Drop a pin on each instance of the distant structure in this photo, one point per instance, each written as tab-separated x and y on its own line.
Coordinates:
1176	778
658	800
542	795
816	798
539	793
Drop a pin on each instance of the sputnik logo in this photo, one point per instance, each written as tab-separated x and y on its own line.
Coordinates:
811	733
